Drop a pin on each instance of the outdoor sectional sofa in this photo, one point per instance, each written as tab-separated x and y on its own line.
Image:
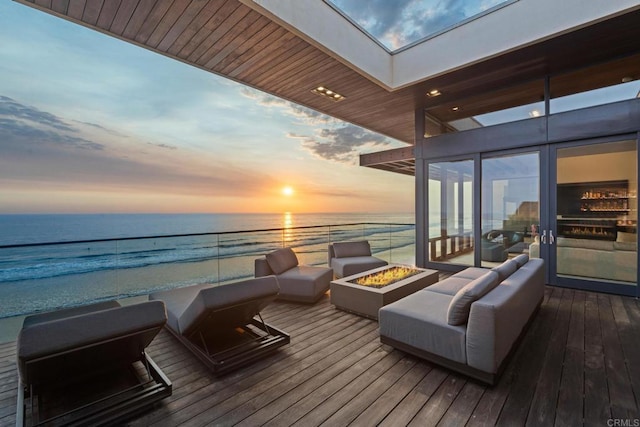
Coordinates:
470	321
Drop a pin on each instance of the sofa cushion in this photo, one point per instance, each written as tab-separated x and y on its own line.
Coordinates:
471	273
602	245
450	286
625	246
351	249
420	321
458	311
521	260
626	237
282	260
505	269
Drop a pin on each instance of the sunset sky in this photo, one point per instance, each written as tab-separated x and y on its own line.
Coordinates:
89	123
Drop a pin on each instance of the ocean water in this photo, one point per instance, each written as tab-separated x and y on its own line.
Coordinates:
67	261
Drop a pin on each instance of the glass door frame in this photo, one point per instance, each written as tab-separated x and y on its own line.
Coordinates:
543	152
553	278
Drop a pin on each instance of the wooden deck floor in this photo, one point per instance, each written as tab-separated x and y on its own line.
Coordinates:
579	363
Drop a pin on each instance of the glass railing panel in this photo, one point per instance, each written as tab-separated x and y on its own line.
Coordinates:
36	278
148	265
42	277
238	252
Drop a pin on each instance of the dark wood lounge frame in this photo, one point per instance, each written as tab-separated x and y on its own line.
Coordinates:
222	325
63	372
245	345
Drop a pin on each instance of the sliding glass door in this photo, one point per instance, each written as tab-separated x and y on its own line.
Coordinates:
510	207
595	209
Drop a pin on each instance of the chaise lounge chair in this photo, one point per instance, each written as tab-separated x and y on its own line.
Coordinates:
87	365
349	258
222	325
298	283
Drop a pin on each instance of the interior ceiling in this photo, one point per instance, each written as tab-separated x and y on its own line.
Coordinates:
230	39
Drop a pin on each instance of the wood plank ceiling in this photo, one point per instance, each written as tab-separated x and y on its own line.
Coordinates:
228	38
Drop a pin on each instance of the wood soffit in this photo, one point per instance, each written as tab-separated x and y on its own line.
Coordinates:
230	39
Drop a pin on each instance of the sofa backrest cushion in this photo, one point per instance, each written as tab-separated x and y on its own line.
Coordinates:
282	260
505	269
625	246
521	259
626	237
600	245
351	249
458	312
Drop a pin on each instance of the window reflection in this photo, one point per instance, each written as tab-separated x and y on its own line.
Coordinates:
510	206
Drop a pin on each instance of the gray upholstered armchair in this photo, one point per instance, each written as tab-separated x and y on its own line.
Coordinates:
348	258
300	283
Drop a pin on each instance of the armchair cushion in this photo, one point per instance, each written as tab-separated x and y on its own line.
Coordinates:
352	249
282	260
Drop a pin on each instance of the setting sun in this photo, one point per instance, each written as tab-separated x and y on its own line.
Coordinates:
287	191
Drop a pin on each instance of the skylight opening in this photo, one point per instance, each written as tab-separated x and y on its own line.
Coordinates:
400	24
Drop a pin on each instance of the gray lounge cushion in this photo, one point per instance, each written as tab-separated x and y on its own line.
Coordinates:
351	249
68	312
282	260
40	339
420	320
521	260
505	269
458	311
186	306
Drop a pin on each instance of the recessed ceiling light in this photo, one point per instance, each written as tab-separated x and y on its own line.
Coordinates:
627	79
433	92
323	91
455	109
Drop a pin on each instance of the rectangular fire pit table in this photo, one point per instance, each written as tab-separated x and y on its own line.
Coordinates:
366	300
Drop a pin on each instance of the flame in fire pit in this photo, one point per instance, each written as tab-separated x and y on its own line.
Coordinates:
386	277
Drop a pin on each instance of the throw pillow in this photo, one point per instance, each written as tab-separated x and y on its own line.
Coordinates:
351	249
282	260
460	305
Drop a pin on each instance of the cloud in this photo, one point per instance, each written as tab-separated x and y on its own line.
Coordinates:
401	22
10	107
342	144
333	139
35	149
